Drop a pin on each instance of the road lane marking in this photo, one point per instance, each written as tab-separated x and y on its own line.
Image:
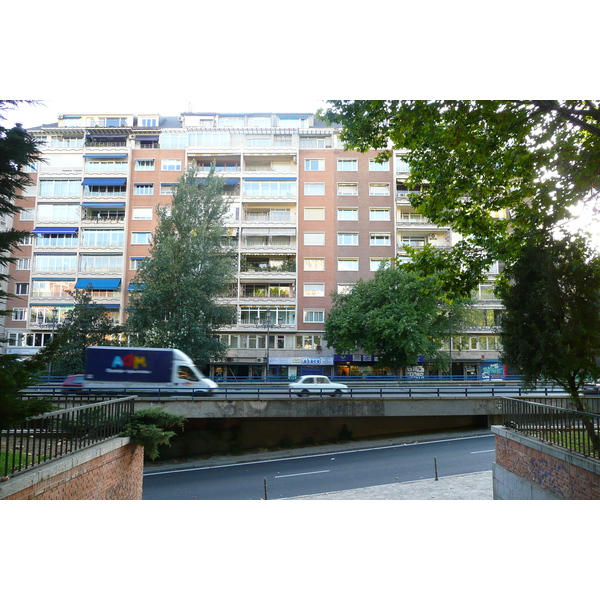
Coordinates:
298	474
482	451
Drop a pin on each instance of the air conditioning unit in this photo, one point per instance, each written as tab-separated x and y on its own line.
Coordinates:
260	360
433	236
229	358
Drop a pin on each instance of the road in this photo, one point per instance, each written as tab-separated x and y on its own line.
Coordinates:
317	474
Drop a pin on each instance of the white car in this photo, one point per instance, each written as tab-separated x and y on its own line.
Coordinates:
317	384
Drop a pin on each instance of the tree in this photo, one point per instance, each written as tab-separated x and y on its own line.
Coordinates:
473	161
551	322
176	303
89	325
396	316
17	150
551	319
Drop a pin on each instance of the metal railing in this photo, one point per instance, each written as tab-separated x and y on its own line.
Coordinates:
53	435
546	420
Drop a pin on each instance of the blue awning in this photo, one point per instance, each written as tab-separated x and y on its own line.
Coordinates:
111	181
42	230
98	284
102	204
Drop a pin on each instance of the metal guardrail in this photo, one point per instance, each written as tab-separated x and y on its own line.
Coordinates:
53	435
570	429
266	391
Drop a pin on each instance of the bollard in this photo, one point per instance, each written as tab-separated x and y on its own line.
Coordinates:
435	467
266	498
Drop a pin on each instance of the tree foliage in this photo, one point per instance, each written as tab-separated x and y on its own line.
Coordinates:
396	316
176	304
551	321
89	325
17	150
473	161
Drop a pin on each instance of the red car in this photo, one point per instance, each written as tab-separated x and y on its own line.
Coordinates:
72	384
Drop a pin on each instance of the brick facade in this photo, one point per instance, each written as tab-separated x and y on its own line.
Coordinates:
552	471
110	471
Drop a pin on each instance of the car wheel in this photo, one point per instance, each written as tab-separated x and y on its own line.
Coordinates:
303	393
336	394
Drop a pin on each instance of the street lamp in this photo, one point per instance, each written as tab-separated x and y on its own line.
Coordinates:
268	324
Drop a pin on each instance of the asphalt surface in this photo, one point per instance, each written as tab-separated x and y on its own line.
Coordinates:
472	486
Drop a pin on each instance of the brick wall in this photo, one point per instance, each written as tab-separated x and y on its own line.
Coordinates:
527	468
112	470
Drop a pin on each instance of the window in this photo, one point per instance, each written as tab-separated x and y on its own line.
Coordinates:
314	164
55	262
314	316
149	122
23	264
19	314
231	121
51	289
315	142
379	166
414	241
314	189
401	165
347	239
309	342
21	288
293	122
102	237
144	164
379	189
314	214
270	188
375	263
314	264
60	187
345	288
105	190
347	189
314	289
143	189
57	239
136	263
380	239
347	164
259	121
314	239
167	189
58	212
173	140
347	264
106	263
142	214
171	164
105	166
26	214
141	237
347	214
379	214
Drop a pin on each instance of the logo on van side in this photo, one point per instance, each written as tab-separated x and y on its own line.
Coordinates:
129	360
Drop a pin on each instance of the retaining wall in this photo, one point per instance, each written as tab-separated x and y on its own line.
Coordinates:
110	470
529	469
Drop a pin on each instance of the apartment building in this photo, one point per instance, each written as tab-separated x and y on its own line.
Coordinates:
307	218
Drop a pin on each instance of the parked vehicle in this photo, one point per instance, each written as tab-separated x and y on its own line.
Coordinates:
167	369
72	384
592	389
317	384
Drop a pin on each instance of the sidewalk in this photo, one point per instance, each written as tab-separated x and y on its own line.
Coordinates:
475	486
